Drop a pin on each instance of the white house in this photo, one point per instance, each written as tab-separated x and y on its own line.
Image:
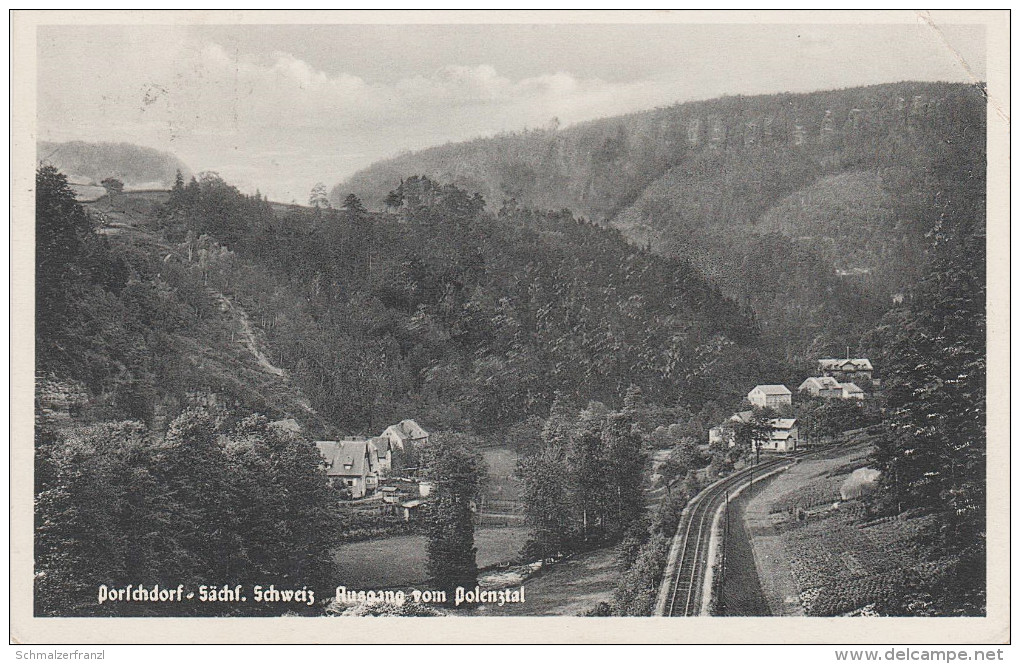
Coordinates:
783	437
770	396
726	432
852	391
825	387
404	437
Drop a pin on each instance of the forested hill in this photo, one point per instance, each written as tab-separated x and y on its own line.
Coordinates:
811	208
347	320
136	166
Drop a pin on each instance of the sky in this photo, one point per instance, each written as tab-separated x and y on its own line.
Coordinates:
281	107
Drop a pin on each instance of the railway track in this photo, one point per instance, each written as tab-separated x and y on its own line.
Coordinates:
685	594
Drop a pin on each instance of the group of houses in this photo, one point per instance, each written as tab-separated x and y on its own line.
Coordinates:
837	379
363	464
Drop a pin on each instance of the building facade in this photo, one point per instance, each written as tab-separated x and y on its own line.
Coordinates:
351	463
848	370
770	396
824	387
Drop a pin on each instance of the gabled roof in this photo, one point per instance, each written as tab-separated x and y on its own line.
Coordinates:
742	416
772	389
858	364
821	382
406	430
851	388
783	423
328	449
413	429
346	458
381	444
397	431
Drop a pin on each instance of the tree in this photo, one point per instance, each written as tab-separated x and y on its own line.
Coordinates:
624	472
85	524
117	505
455	472
586	474
560	424
546	508
113	186
69	258
319	198
682	460
62	233
934	452
755	432
352	204
395	198
190	466
285	508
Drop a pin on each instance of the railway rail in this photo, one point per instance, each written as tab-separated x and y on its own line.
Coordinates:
683	589
685	593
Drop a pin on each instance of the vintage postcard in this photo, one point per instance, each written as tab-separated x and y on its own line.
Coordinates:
510	327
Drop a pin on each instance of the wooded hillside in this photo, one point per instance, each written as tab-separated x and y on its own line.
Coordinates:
810	208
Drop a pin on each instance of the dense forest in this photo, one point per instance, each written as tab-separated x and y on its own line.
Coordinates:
441	311
811	209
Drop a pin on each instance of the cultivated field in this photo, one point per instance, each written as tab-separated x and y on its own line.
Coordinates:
832	560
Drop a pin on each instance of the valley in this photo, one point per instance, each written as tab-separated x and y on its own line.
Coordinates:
524	358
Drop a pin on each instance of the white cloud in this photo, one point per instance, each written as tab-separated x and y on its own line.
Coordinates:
214	106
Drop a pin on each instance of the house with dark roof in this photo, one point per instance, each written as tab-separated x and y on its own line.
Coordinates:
352	463
770	396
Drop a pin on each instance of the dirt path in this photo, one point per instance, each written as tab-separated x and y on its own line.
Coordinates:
742	593
778	586
248	338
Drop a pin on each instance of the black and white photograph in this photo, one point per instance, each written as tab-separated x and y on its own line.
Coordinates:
491	314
